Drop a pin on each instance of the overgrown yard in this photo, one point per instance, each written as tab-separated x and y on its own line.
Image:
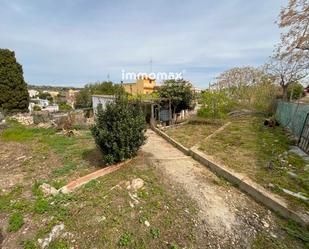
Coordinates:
105	213
102	214
249	147
196	130
262	153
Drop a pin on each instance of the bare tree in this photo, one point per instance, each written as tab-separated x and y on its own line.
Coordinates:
288	68
295	17
239	81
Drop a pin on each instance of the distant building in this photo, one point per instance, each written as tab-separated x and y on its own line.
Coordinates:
71	97
43	103
52	108
196	90
143	85
33	93
101	100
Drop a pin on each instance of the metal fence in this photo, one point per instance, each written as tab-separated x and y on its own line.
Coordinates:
292	115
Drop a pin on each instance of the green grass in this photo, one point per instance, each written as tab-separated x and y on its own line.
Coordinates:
249	147
194	131
29	244
65	169
82	212
19	133
125	239
16	221
70	150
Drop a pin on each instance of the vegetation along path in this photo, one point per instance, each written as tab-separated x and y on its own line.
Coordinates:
227	217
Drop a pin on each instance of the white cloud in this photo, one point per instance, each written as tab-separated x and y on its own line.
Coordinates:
81	41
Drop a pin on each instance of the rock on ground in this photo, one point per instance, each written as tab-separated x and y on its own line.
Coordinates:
55	232
48	190
136	184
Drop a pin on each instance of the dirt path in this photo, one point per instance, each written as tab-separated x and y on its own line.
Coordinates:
228	218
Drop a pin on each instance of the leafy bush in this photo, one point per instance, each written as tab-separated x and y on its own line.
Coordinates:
295	91
37	108
64	107
215	105
119	130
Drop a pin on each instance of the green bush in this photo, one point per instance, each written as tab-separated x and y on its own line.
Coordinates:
295	91
37	108
215	105
64	107
119	130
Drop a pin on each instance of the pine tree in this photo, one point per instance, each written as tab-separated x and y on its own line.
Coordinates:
14	95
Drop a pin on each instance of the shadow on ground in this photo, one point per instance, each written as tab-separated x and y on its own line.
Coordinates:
94	157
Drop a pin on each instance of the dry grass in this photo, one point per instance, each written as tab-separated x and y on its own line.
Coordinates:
193	132
249	147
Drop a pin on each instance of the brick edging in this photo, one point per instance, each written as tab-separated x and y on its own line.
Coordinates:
251	188
94	175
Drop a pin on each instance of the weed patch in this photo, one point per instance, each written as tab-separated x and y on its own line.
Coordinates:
16	221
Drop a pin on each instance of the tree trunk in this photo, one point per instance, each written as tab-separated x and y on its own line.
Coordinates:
285	92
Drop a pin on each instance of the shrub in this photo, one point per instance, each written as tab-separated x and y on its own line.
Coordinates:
215	105
119	130
295	91
37	108
64	107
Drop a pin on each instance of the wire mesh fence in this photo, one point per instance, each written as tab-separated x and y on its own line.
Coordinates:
292	115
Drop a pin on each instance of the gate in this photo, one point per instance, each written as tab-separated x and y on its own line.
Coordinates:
303	141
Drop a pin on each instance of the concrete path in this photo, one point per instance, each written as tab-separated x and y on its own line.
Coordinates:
227	217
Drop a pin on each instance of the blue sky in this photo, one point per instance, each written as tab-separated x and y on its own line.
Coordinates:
74	42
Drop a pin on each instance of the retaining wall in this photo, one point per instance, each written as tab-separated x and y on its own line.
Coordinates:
253	189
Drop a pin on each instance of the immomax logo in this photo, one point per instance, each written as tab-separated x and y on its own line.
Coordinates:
127	76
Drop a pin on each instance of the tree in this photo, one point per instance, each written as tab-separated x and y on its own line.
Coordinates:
14	95
179	92
295	18
83	98
119	129
239	82
288	68
45	95
215	104
295	91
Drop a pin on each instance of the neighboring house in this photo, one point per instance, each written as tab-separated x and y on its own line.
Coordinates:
196	90
52	108
43	103
101	100
71	97
143	85
33	93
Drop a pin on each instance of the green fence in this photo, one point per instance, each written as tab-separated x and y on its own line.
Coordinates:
292	115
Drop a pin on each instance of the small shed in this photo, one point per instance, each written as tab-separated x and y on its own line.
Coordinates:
101	100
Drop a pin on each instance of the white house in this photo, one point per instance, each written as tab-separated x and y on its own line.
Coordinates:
101	99
32	93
